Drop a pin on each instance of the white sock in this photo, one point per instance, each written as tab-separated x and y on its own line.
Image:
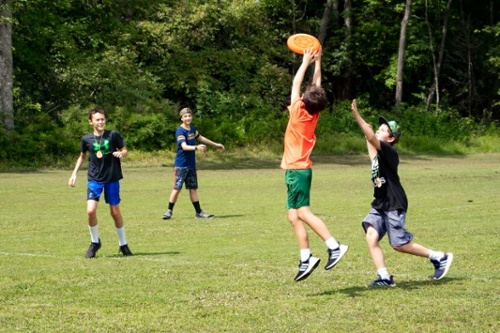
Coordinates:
120	232
305	254
331	243
94	234
383	273
436	255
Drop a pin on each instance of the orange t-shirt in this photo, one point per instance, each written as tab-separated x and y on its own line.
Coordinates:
299	137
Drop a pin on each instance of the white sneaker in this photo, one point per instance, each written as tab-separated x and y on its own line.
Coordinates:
306	268
442	266
335	255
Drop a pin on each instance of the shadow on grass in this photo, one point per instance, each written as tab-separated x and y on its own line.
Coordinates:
410	285
137	254
228	216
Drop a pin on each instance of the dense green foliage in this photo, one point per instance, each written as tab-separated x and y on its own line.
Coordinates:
142	60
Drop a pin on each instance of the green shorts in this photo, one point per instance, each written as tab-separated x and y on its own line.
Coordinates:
298	183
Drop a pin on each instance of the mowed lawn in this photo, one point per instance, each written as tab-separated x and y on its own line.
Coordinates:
235	273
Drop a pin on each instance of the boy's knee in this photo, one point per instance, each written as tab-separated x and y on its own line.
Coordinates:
371	234
399	248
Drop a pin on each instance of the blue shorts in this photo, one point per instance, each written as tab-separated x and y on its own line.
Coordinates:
111	192
391	222
186	176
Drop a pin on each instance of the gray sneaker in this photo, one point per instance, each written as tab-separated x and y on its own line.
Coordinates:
167	215
203	215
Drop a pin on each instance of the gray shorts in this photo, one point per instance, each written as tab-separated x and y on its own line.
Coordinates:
391	222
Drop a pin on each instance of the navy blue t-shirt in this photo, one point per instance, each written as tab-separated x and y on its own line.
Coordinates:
184	158
108	168
388	191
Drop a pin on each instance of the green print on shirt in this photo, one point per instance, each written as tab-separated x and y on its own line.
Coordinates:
104	148
376	179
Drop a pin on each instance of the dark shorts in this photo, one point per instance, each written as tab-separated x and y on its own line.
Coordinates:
111	192
298	183
186	176
391	222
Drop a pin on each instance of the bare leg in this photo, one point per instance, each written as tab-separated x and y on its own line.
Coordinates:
92	212
174	195
316	224
413	248
372	238
116	215
193	194
299	229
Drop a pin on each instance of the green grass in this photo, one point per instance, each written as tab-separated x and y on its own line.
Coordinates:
235	273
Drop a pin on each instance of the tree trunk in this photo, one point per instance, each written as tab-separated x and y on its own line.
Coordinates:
6	66
437	66
349	66
325	21
401	54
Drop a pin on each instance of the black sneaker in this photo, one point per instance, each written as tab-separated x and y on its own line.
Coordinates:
167	215
93	248
383	282
335	255
306	268
203	215
442	266
125	250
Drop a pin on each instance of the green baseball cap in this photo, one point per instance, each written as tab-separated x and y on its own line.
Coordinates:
393	127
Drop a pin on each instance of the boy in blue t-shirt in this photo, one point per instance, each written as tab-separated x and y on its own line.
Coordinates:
388	212
185	163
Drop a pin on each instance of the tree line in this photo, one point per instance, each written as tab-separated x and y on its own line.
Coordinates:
143	60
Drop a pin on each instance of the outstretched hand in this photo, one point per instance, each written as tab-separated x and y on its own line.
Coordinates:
354	107
311	55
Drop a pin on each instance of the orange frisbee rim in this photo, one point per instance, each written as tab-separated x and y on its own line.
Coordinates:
299	42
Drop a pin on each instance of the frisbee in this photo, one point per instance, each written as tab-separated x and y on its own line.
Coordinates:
299	42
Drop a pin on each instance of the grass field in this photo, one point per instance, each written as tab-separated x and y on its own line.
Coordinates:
235	272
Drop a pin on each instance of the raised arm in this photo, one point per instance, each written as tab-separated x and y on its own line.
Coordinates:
308	58
373	142
317	69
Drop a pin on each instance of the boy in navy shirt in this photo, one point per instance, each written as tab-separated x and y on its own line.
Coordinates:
185	163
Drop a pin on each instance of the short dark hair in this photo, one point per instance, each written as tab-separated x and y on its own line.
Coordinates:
314	99
94	111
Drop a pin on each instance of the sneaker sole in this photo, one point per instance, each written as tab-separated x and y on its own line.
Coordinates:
382	286
307	273
447	268
339	258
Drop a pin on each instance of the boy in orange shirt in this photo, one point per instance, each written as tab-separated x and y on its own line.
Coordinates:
299	142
